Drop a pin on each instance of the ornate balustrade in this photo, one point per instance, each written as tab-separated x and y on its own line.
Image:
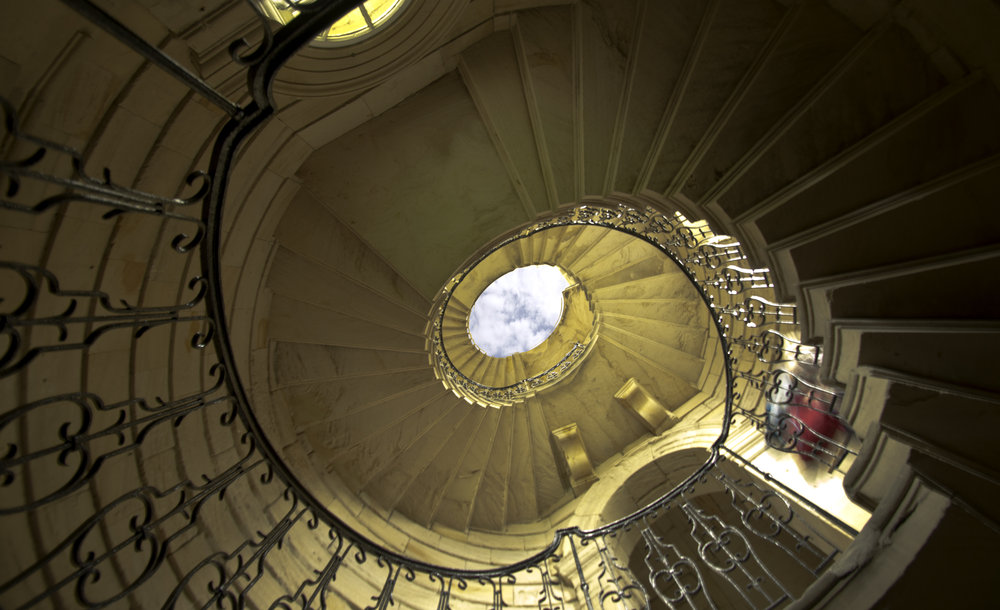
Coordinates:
107	532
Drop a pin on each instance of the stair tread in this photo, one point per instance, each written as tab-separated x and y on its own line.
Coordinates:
602	79
958	123
739	30
815	42
666	34
491	72
297	363
489	504
546	39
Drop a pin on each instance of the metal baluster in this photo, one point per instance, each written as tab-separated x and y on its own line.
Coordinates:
324	578
728	552
548	597
384	599
446	582
769	515
496	586
675	578
81	440
84	566
260	550
584	585
137	44
618	584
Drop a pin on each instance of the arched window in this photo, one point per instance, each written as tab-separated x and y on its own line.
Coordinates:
355	25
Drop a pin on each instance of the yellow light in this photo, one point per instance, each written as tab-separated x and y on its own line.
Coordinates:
380	10
351	25
360	22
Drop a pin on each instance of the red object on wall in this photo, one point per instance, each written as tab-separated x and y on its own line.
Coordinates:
818	423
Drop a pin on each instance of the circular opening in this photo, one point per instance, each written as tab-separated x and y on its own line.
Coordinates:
360	22
518	311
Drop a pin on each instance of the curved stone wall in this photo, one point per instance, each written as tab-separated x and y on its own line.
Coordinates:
744	156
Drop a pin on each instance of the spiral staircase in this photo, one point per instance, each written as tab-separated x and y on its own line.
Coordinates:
831	139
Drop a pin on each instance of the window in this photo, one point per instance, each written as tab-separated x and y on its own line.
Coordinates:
357	24
518	311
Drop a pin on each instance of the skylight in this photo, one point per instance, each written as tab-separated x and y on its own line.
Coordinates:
358	23
518	311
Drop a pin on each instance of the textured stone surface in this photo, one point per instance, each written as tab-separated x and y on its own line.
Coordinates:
440	182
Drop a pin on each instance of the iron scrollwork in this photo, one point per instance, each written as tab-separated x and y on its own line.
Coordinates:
798	417
90	431
75	185
771	516
496	584
551	595
504	395
674	577
618	586
773	347
19	352
338	550
726	550
384	598
155	518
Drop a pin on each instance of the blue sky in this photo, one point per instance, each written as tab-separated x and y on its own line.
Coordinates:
518	311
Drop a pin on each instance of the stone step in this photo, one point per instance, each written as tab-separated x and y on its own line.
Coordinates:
805	54
489	503
521	501
740	39
555	243
344	430
682	312
673	286
491	73
310	230
655	267
602	69
815	251
549	490
464	488
431	472
660	46
465	356
301	363
687	339
590	250
306	280
680	363
544	42
606	427
901	76
301	322
322	402
925	132
406	461
458	185
956	352
921	289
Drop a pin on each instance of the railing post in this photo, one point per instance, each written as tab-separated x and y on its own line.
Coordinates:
584	585
121	32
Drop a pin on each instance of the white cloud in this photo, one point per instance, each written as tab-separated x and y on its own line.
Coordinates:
518	311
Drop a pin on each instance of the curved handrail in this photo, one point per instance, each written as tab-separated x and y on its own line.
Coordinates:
714	264
650	225
620	218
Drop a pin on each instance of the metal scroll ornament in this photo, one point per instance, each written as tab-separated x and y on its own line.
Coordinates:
91	444
489	396
669	233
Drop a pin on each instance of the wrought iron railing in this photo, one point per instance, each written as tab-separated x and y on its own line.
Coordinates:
505	395
798	417
86	534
